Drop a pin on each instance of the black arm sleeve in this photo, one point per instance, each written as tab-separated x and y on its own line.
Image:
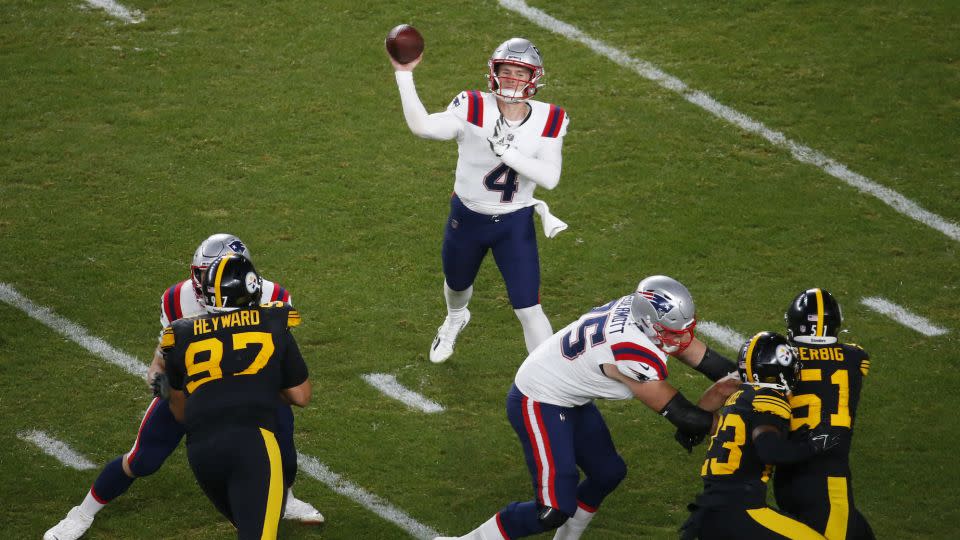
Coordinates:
714	365
686	416
775	449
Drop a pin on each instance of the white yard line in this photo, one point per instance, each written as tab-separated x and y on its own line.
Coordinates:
725	335
313	468
73	331
801	153
903	316
131	16
388	385
131	365
59	450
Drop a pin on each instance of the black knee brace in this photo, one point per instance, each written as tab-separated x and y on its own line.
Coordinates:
551	518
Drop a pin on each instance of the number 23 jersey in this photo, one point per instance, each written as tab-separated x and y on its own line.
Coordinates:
233	365
565	369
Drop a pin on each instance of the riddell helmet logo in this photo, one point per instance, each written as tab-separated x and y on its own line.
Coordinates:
661	303
237	246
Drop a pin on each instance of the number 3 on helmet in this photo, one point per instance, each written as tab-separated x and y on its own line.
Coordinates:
768	360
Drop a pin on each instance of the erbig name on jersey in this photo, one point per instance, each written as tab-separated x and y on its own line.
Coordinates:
565	369
485	183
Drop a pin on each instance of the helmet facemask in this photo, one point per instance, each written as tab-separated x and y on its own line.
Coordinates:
663	308
515	52
521	89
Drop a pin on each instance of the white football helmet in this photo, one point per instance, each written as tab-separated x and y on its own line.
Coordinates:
516	52
214	247
663	308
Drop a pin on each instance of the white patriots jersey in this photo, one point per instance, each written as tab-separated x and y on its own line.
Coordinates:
565	369
484	183
180	301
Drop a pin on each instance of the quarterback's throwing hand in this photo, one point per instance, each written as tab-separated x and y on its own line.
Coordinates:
500	141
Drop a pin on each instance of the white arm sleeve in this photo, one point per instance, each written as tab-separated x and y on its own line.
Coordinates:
440	126
544	169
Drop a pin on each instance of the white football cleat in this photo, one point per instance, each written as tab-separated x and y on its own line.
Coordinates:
71	527
442	347
304	512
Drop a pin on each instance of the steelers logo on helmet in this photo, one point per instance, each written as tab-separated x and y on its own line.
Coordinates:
231	282
252	282
783	354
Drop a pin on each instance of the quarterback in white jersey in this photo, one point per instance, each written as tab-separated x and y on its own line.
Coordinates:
508	145
160	433
615	351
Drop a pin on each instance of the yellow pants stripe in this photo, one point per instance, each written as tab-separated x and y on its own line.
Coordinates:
839	509
781	524
275	495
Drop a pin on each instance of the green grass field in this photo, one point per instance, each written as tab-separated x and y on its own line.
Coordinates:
124	145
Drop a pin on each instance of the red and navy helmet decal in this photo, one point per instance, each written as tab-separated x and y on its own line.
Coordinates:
663	304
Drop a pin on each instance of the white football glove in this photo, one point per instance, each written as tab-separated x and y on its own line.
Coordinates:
501	139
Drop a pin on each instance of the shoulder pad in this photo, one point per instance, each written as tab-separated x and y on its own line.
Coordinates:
555	119
639	362
771	403
291	314
167	338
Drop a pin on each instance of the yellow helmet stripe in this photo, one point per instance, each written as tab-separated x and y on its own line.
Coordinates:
747	362
216	281
819	331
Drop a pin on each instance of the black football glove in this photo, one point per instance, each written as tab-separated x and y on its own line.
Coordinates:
689	440
821	440
161	386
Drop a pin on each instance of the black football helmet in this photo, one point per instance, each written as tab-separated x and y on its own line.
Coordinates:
767	359
231	282
814	317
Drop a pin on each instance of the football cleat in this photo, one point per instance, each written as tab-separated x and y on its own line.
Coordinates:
71	527
442	347
304	512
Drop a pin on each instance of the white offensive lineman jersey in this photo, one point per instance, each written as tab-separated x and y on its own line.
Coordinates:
492	185
180	300
565	369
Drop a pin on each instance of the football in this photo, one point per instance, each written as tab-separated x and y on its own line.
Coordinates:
404	43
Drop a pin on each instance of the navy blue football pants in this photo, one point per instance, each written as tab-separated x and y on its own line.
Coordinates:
513	240
160	434
556	441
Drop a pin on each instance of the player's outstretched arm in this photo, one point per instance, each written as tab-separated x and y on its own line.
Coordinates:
438	126
707	361
714	397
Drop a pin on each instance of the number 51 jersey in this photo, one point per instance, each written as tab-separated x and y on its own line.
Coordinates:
233	365
565	369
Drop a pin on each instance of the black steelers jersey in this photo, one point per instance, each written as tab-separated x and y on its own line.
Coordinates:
732	461
828	390
233	365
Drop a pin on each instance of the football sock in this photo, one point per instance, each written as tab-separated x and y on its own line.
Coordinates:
536	326
488	531
574	527
457	301
111	483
